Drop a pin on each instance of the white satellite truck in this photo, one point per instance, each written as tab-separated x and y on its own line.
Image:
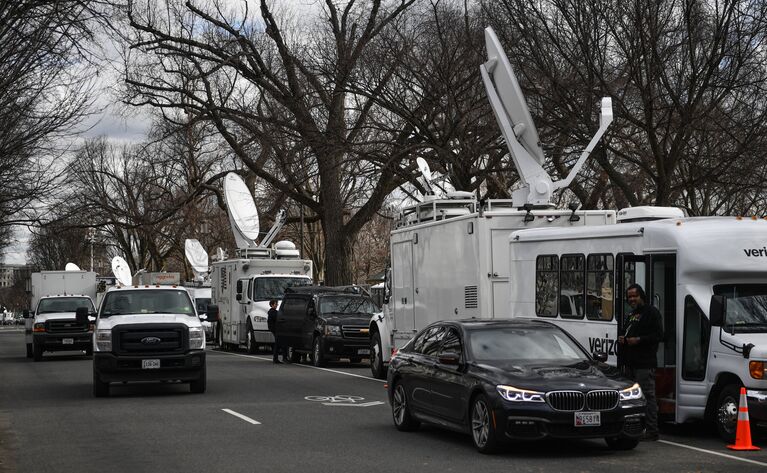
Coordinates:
52	324
449	253
706	275
243	286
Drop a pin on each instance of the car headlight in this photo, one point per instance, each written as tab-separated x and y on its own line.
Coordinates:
104	340
632	394
196	338
332	330
510	393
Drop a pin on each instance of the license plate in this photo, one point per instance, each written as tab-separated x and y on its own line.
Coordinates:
68	341
150	364
587	419
363	351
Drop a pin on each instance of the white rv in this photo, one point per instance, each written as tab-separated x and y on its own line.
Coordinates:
242	287
577	277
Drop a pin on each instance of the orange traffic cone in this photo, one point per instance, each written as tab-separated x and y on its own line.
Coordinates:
743	434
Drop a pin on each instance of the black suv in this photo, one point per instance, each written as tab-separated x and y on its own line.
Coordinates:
326	322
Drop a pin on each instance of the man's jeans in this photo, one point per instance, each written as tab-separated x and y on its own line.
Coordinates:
646	379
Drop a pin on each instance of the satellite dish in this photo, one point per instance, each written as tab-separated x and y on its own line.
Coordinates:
197	257
243	215
71	267
512	98
220	255
121	270
423	166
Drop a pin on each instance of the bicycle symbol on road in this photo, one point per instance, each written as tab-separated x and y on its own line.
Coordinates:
343	400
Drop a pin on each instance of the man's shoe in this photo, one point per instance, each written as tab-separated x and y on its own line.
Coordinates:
277	361
648	437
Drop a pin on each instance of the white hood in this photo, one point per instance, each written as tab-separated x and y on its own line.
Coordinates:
106	323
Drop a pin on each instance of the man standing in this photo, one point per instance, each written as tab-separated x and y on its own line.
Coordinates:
643	332
271	323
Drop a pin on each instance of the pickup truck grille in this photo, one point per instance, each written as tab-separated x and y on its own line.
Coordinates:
65	326
361	332
150	339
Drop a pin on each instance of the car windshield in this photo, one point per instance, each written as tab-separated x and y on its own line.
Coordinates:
160	301
522	345
746	307
63	304
268	288
347	305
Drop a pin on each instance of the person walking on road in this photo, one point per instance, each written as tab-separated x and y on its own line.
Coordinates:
271	323
643	332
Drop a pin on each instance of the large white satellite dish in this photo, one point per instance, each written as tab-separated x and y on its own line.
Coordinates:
121	270
423	166
243	215
197	257
71	267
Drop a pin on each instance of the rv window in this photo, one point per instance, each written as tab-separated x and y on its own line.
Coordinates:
572	286
546	285
600	287
695	343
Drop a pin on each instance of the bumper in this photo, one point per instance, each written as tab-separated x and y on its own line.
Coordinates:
63	341
342	347
263	336
184	367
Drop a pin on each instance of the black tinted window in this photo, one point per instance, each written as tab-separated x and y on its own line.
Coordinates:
293	307
432	341
451	343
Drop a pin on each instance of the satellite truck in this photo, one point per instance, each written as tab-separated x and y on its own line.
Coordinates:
199	288
51	324
449	253
242	286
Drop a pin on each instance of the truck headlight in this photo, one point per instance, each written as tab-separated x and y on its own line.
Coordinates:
104	340
332	330
39	327
196	338
634	393
510	393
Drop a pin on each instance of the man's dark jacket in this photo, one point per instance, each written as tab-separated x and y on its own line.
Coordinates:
644	322
271	320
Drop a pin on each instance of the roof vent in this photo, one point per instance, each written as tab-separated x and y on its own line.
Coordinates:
648	212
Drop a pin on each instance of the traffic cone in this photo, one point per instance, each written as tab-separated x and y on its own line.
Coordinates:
743	434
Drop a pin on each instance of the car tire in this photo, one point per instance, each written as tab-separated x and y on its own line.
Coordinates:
726	414
400	410
198	386
318	352
621	443
251	341
30	354
483	433
100	388
37	352
377	367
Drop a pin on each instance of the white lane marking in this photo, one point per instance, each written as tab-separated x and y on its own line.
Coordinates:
243	417
731	457
364	404
303	366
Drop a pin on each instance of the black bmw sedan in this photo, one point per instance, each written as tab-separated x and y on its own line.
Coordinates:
511	380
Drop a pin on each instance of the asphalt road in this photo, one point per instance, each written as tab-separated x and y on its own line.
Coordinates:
306	419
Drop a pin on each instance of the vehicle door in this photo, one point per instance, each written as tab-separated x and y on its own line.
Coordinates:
424	357
289	320
308	324
448	384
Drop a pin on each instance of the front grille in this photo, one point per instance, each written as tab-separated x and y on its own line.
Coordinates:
356	331
150	339
565	400
65	326
601	400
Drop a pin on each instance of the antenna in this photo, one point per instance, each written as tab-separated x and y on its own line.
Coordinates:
197	257
71	267
513	116
243	215
121	270
278	223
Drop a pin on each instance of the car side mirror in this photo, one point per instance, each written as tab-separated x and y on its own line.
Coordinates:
239	297
450	358
717	310
81	315
26	314
212	313
599	356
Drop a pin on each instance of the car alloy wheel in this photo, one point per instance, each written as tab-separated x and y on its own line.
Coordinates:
482	430
400	410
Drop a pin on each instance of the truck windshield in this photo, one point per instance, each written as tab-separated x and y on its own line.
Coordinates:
746	307
274	287
347	305
161	301
63	304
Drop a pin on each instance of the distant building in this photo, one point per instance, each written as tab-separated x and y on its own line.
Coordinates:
10	273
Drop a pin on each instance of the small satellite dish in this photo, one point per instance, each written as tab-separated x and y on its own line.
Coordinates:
121	270
71	267
220	254
197	257
243	215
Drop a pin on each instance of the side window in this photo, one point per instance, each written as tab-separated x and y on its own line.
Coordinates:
695	343
546	285
572	286
242	291
451	343
432	341
600	286
291	306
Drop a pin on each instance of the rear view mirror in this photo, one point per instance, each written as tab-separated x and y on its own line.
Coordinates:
81	315
212	313
717	310
25	313
449	358
599	356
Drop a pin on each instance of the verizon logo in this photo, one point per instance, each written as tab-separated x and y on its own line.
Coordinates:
756	251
